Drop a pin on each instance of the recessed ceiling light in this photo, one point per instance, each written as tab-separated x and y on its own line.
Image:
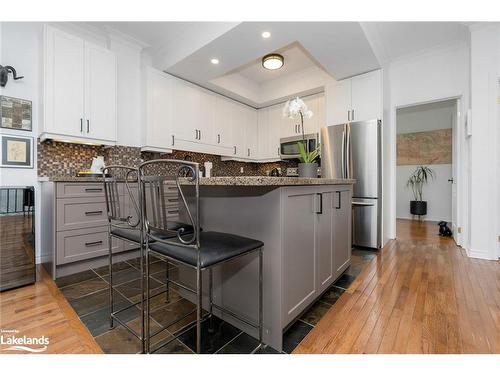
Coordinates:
266	34
273	61
214	61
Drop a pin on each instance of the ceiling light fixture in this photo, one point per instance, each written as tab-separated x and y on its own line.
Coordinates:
266	34
214	61
273	61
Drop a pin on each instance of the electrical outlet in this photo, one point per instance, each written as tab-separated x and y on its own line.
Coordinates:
241	170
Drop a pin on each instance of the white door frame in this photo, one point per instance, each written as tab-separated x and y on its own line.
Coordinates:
459	166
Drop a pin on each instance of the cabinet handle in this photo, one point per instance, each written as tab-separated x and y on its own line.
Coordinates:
339	204
234	150
88	125
248	152
195	133
94	243
92	190
349	115
89	213
81	125
199	132
218	138
173	140
352	117
320	196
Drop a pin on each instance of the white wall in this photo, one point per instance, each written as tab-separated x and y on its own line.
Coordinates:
438	191
21	46
433	75
485	72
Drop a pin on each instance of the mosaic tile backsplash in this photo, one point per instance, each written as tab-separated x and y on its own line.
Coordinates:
66	159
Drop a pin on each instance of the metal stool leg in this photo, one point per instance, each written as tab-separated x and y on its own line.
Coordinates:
211	299
167	284
198	309
147	343
110	256
143	340
261	304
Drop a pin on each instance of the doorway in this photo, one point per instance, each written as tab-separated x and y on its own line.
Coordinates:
425	143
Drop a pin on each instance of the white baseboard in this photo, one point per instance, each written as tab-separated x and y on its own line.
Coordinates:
424	219
479	254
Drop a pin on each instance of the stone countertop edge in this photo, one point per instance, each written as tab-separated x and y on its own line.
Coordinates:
229	180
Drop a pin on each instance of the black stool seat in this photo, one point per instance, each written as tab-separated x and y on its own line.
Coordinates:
134	234
215	247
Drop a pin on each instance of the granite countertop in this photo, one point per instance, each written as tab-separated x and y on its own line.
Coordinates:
229	180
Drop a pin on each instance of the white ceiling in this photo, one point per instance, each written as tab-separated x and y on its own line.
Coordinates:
295	59
328	49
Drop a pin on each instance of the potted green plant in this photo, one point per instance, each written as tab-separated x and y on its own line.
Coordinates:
416	182
297	109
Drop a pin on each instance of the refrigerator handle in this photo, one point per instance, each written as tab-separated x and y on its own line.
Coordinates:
348	151
343	154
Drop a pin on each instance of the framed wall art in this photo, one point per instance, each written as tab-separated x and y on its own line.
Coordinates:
15	113
16	151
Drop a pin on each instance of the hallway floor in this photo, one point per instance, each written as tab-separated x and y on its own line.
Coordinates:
421	294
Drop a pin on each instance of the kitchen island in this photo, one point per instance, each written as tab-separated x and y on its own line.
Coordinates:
305	224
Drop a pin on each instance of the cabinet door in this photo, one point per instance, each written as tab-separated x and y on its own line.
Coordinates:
325	238
100	93
239	127
159	109
341	230
299	258
223	133
263	134
64	83
311	124
283	126
338	102
205	116
186	100
367	96
251	133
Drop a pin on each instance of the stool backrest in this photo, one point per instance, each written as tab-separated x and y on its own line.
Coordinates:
158	179
112	176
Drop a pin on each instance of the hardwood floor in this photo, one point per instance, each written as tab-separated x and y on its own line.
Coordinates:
40	309
421	294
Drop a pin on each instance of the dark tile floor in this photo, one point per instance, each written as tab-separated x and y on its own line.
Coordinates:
87	292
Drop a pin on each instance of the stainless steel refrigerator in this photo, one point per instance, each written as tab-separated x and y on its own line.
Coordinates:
353	150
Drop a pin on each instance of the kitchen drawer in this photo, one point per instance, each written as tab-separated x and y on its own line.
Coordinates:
80	190
83	244
78	213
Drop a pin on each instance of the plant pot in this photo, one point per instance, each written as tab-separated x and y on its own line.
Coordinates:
309	170
418	208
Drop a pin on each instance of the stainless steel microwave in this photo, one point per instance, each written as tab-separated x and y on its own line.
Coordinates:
289	148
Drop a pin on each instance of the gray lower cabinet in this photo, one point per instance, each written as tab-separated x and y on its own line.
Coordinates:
299	263
316	243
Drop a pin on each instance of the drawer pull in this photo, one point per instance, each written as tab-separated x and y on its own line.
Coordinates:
173	199
173	211
89	213
95	243
90	190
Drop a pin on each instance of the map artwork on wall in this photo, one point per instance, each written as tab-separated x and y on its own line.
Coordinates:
15	113
422	148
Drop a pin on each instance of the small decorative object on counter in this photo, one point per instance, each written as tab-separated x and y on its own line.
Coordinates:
208	168
297	109
416	182
97	165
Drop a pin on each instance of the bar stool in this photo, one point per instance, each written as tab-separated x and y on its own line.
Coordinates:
197	250
128	227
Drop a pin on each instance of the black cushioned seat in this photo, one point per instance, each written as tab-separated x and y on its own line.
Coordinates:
215	247
134	234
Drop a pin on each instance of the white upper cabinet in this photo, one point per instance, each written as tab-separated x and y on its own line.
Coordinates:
251	134
338	102
355	99
366	94
64	84
157	134
79	89
100	93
